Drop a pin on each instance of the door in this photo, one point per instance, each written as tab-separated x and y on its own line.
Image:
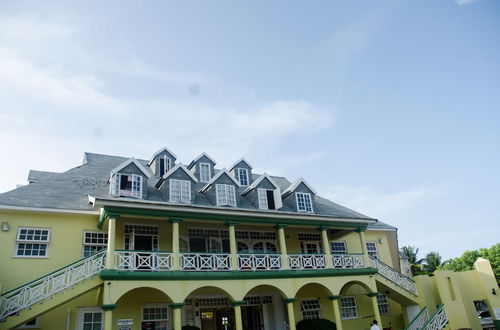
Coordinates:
252	318
207	319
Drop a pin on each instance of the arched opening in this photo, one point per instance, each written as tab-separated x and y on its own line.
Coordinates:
355	305
313	302
149	308
209	308
264	309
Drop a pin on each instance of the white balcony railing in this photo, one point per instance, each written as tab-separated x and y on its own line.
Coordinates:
307	261
437	321
143	261
205	262
258	262
394	276
348	260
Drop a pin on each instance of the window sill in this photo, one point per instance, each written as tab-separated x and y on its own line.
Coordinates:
30	257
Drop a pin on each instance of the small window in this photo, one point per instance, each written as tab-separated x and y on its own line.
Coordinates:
338	247
90	318
94	241
127	185
311	309
243	176
226	194
180	191
266	199
205	173
371	247
383	304
32	242
348	308
164	165
32	324
304	202
155	317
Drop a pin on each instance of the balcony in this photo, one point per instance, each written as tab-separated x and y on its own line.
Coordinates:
158	261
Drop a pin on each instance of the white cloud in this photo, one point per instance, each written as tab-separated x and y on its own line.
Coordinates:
465	2
30	28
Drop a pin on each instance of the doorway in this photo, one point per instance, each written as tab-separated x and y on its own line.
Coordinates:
217	319
252	318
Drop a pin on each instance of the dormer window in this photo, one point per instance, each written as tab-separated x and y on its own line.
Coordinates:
205	172
164	164
226	194
180	191
266	199
304	202
243	176
127	185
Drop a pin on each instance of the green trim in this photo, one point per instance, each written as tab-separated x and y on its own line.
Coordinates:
110	211
238	303
231	223
108	307
416	318
324	228
280	226
290	300
112	274
431	317
334	297
373	294
177	305
361	229
176	220
497	324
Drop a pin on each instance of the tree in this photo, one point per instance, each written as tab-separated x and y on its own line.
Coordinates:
432	261
412	253
466	261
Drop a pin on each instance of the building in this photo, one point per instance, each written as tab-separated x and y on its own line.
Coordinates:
122	243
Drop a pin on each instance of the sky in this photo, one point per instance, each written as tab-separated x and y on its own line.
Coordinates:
391	108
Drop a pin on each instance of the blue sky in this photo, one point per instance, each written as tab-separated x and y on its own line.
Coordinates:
391	108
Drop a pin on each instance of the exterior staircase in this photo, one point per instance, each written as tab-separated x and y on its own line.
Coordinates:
51	290
422	321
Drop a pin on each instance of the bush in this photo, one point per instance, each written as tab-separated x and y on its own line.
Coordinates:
190	327
316	324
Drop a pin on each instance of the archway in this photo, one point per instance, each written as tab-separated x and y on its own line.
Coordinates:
264	308
313	302
356	306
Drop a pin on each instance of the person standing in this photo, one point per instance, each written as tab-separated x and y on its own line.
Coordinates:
375	325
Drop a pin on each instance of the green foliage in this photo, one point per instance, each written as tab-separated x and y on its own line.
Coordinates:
190	327
412	253
466	261
432	261
316	324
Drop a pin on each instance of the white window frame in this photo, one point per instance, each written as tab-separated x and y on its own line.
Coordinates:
156	305
225	194
45	242
205	177
383	304
352	304
184	191
344	250
307	198
167	164
241	170
33	326
137	182
81	311
311	308
372	252
262	197
91	244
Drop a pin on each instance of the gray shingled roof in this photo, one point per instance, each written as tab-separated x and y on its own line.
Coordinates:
70	190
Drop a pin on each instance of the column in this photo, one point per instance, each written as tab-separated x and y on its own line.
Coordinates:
336	311
282	243
364	250
177	318
110	253
233	248
237	313
373	298
175	243
291	313
108	316
326	246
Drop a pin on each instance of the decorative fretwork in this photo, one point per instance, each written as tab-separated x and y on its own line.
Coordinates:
258	262
438	320
348	260
49	285
306	261
418	322
394	276
205	262
143	261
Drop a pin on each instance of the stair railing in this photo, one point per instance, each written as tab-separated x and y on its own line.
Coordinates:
47	286
393	275
438	320
418	321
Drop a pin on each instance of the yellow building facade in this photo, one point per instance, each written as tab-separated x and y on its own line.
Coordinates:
127	244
